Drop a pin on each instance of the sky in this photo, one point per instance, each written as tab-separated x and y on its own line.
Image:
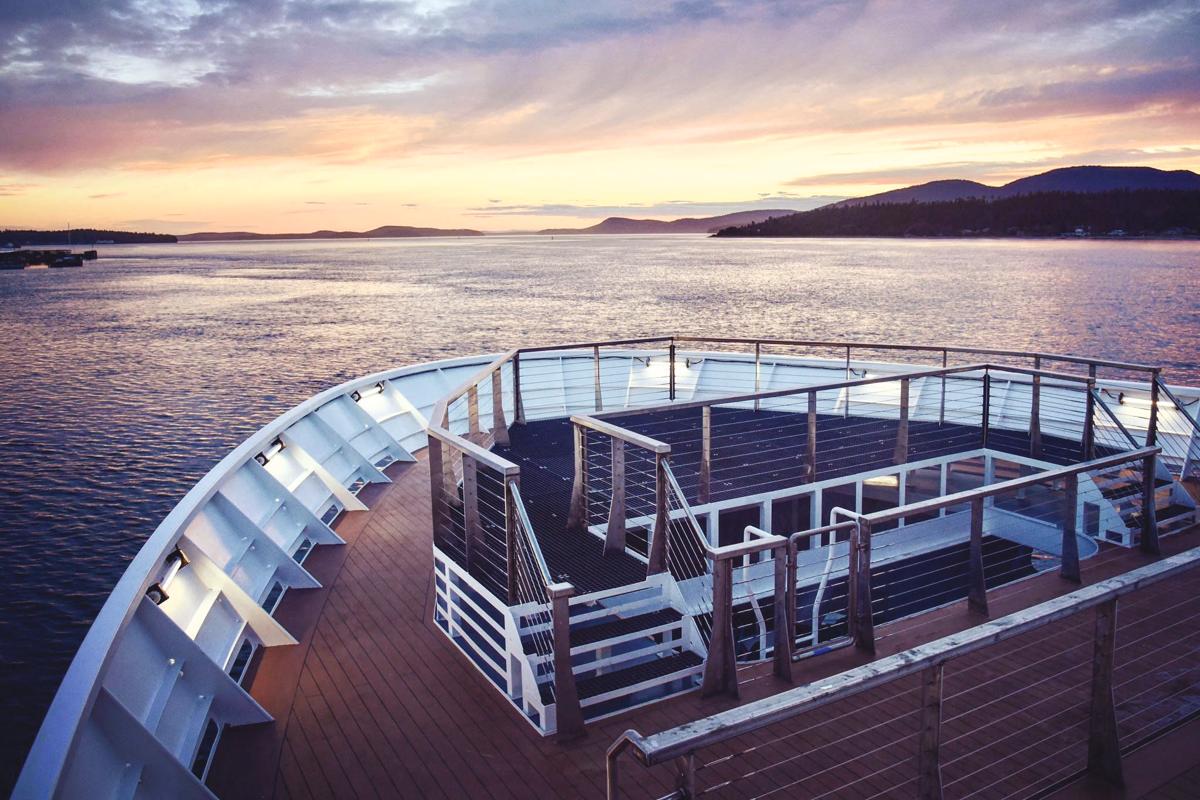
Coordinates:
295	115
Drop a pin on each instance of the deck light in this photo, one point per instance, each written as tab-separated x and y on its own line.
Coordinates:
275	449
175	562
359	394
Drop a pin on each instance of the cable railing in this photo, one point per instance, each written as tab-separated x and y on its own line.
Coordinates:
1019	706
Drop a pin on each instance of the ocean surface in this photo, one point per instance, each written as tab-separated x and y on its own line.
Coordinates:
123	382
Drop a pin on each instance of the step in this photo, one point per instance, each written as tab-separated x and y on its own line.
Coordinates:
1173	517
623	626
637	674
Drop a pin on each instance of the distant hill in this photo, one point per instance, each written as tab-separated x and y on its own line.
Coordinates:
30	238
1066	179
384	232
1121	212
685	225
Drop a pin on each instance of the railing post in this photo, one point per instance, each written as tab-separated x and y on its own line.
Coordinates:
437	487
812	437
568	713
685	781
1104	746
929	764
705	454
1035	411
783	619
596	378
510	538
790	603
862	623
614	538
473	413
757	372
900	456
671	357
1089	423
657	559
1152	425
942	405
577	514
986	416
499	423
1149	543
720	667
976	580
1070	544
470	508
518	401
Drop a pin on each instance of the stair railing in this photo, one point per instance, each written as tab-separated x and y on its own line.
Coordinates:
1182	443
531	585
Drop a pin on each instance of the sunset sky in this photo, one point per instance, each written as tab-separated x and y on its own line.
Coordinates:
272	115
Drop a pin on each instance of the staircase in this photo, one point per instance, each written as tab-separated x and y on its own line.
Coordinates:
1174	508
628	647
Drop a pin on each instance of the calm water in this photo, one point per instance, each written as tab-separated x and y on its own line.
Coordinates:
125	381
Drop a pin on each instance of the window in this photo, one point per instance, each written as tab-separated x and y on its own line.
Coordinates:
208	743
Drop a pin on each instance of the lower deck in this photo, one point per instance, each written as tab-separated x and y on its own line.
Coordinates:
375	701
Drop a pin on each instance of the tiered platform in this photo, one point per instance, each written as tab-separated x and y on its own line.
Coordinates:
376	702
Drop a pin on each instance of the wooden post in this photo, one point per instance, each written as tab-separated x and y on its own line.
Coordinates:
976	580
1149	543
577	514
685	781
473	413
437	488
784	631
1035	411
1104	746
510	538
720	667
929	766
614	539
985	418
471	528
757	372
705	454
657	560
942	406
1152	425
1089	423
863	625
790	599
671	356
518	402
596	378
900	455
1070	544
569	714
499	423
812	437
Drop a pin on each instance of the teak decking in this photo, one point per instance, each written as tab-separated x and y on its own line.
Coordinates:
376	702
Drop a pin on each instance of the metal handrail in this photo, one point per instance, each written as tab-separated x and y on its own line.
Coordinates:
683	741
531	540
1071	359
1179	406
1003	487
1099	400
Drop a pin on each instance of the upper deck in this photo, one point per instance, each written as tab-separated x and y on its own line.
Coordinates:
601	521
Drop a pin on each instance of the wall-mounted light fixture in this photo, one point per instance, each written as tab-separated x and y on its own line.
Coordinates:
175	562
359	394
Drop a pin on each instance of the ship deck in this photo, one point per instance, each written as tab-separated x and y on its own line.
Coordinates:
375	701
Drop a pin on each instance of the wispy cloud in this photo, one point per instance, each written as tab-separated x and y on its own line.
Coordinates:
672	209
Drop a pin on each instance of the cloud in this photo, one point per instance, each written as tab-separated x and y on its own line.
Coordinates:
104	195
672	209
990	171
15	189
157	84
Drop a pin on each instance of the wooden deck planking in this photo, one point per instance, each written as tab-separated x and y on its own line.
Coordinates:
382	704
